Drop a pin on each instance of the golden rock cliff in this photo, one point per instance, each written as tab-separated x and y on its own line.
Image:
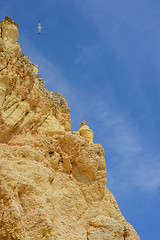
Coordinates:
52	180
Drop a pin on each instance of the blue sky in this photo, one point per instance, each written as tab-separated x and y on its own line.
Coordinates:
104	57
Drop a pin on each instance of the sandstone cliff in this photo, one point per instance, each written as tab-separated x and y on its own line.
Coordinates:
52	180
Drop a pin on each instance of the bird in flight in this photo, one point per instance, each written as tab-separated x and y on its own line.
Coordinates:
39	27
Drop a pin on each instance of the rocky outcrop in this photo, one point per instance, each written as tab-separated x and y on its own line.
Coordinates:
52	180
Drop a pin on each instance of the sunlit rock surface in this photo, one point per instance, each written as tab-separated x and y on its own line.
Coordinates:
52	181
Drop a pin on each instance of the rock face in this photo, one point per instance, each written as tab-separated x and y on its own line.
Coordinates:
52	180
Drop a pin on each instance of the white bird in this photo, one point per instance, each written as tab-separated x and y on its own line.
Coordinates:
39	27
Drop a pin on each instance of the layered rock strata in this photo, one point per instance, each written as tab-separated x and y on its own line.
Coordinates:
52	180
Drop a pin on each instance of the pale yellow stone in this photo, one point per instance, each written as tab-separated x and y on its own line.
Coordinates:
86	132
43	202
28	118
10	101
51	126
9	32
4	83
14	110
18	114
35	69
15	49
2	64
52	181
2	46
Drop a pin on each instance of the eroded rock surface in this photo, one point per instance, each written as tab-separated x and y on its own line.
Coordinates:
52	180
